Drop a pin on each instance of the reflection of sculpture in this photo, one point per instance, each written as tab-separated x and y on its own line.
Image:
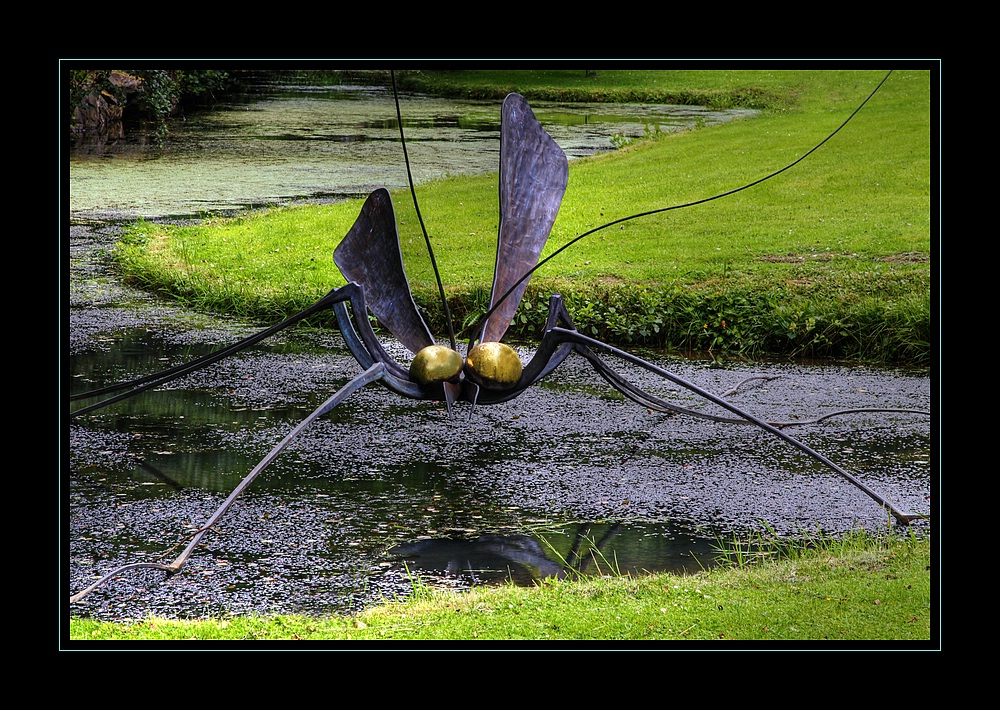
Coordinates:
515	558
489	558
533	177
582	549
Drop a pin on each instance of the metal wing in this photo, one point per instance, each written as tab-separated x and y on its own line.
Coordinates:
533	176
370	256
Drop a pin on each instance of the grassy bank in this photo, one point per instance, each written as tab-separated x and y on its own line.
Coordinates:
831	258
864	588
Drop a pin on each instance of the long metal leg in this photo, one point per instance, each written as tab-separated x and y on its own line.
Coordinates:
155	379
372	374
564	335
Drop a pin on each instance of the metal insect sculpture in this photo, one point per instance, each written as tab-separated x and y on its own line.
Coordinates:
533	178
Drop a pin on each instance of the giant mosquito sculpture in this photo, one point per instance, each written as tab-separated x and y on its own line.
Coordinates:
533	178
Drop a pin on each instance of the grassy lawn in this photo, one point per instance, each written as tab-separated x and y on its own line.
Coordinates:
832	257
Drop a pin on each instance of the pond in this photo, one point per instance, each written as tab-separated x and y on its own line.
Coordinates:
566	478
292	142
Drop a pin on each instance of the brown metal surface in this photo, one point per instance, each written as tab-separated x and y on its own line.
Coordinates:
533	176
369	255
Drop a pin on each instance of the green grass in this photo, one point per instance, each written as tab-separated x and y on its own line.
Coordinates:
829	258
717	89
862	588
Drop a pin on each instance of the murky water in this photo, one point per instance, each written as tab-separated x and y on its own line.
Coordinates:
382	487
321	143
566	477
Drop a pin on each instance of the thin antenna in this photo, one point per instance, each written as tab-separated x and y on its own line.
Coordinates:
573	241
427	239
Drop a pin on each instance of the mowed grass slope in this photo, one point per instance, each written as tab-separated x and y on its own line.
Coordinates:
831	257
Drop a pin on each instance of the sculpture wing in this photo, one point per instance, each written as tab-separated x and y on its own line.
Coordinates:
533	176
370	256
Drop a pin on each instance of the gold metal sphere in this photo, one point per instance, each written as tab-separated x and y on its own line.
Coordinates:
493	366
436	364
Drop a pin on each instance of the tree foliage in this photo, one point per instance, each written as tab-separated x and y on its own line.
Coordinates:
151	96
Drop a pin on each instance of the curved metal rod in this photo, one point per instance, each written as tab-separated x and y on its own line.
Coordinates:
367	253
644	398
573	336
114	573
556	337
365	348
655	403
550	356
358	334
372	374
146	382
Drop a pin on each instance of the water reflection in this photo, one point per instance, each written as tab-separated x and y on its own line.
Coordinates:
574	550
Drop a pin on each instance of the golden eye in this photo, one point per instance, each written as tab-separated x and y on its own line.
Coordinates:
493	366
435	364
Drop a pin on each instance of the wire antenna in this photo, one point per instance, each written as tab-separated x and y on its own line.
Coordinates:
573	241
420	219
